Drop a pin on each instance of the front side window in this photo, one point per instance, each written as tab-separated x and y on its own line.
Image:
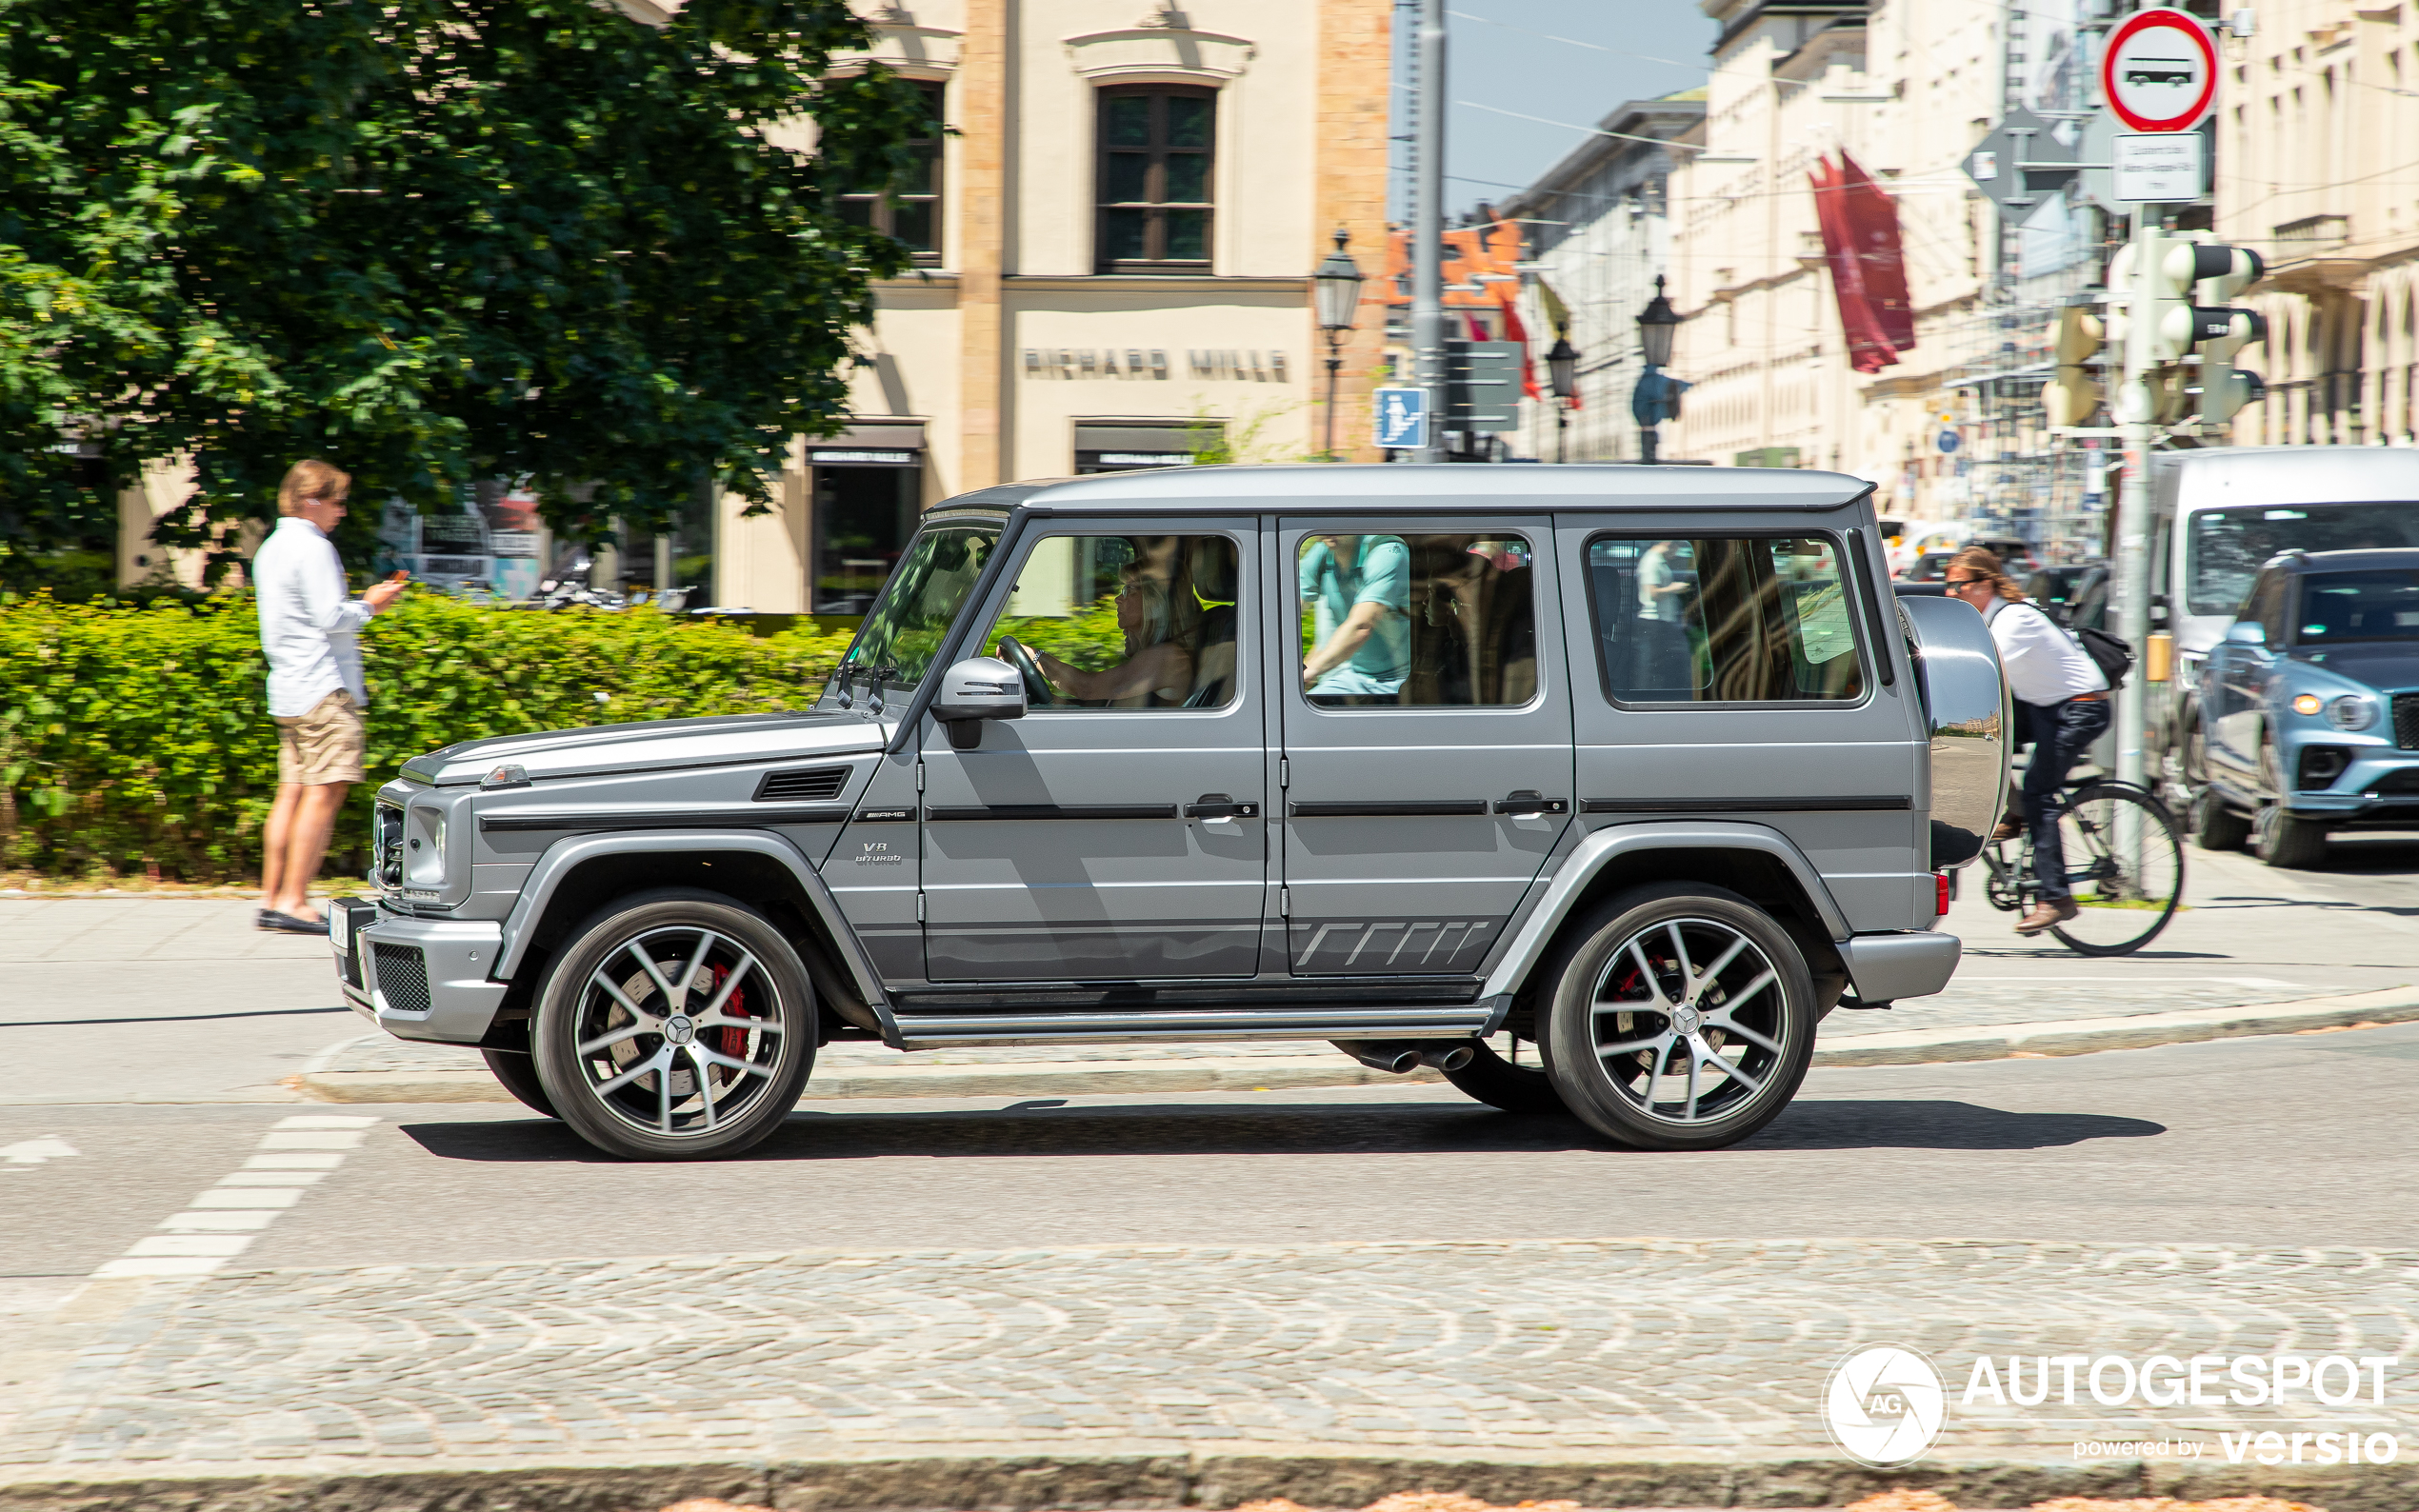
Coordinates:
2225	548
1107	621
1723	620
1157	142
2372	606
1417	621
909	209
923	599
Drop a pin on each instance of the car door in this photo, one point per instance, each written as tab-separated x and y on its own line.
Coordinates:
1426	735
1117	831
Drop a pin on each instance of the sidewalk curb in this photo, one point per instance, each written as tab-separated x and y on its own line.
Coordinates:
325	1081
1024	1482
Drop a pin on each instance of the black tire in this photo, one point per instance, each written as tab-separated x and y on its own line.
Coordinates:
2214	825
1525	1087
517	1071
1768	1018
643	1084
2124	900
2289	844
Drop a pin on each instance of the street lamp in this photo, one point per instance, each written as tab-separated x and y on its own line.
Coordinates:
1562	372
1338	288
1656	398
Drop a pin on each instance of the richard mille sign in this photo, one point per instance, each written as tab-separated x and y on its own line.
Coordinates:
1229	365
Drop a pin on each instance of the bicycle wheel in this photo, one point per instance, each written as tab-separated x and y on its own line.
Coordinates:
2125	864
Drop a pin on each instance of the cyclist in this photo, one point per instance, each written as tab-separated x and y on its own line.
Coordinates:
2060	706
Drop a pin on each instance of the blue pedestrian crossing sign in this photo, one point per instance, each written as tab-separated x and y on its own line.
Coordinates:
1401	417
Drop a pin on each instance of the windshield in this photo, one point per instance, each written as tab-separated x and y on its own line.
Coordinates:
2374	605
2228	546
905	628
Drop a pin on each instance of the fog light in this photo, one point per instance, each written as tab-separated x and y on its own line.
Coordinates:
2307	704
2351	711
2321	765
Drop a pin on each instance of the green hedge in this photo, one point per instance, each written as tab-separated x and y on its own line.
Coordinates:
138	740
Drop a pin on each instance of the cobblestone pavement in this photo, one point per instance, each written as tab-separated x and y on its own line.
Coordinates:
1559	1349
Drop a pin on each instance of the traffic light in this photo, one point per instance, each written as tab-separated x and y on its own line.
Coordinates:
2225	387
2072	396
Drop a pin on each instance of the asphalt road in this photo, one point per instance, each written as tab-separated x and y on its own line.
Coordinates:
2295	1141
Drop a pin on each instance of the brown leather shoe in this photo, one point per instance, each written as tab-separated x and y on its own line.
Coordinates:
2046	914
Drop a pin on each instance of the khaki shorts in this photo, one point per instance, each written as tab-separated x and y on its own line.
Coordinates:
324	745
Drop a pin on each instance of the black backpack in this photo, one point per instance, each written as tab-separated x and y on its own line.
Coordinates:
2108	653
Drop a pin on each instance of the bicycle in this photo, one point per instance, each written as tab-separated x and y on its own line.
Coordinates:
2127	880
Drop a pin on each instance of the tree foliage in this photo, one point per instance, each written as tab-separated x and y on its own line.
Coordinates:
432	240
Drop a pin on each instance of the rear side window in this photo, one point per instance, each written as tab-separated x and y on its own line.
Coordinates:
1409	620
1723	620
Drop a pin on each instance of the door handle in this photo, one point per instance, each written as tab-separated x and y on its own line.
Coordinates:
1220	806
1528	803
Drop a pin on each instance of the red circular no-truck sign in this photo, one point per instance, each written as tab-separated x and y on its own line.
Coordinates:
2159	71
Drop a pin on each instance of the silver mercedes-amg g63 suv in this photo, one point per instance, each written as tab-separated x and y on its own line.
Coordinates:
1592	787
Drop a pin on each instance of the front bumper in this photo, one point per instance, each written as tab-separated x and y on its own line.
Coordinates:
418	979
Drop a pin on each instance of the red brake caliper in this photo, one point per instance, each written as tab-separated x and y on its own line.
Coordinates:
734	1042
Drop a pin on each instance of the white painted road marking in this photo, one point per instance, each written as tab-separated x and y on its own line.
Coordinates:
221	1223
35	1151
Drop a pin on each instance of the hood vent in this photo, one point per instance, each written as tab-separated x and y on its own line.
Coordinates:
806	784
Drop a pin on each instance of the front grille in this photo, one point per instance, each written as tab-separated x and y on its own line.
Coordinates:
806	784
2406	721
2402	784
403	976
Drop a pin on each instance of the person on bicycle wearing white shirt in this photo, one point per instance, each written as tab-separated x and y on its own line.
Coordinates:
2060	707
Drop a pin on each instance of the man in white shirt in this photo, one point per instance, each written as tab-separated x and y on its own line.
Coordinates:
2060	707
309	629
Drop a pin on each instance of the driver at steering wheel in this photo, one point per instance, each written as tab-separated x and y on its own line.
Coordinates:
1157	668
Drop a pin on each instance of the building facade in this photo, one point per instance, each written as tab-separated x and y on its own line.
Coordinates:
1115	238
1598	230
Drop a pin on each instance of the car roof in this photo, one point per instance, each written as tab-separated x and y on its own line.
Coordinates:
2226	477
2371	560
1329	489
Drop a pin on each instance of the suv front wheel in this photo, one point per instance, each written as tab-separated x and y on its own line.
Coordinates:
1682	1020
674	1025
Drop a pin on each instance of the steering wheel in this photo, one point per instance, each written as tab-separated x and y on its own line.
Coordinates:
1038	694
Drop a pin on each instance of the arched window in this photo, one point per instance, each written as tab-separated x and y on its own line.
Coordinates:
1157	141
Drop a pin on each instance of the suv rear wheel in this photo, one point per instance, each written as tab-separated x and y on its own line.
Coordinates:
1683	1020
674	1025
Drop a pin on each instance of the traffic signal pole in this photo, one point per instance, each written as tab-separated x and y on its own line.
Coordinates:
2133	405
1428	229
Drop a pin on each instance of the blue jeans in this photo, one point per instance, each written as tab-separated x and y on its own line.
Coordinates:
2059	734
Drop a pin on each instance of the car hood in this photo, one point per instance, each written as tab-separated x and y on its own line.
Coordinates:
2383	665
653	745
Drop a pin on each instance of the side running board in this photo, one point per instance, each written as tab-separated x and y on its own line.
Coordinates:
929	1031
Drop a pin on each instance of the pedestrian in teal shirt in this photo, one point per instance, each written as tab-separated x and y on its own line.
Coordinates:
1360	588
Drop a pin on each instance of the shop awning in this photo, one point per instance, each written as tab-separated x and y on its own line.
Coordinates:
870	444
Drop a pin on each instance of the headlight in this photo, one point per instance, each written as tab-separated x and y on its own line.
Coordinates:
2352	712
2307	703
386	847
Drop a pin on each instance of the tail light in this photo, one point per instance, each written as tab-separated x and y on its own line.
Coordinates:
1943	887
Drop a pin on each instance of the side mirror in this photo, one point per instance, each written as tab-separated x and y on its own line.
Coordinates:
2246	632
978	689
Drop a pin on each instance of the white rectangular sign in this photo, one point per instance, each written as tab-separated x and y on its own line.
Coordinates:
2157	168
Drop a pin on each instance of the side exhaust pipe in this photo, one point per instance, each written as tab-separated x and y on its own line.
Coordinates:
1400	1056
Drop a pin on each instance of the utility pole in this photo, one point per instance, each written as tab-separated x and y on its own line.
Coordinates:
1427	228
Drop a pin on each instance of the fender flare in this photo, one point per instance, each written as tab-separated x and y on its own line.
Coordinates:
567	856
1518	955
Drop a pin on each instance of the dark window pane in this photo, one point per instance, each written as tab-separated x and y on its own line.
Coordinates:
1127	622
1188	121
857	210
1187	235
1121	233
1724	620
914	222
1127	121
1127	179
1187	178
925	178
1455	626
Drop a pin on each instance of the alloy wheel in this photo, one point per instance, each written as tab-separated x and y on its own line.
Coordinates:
679	1031
1688	1020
